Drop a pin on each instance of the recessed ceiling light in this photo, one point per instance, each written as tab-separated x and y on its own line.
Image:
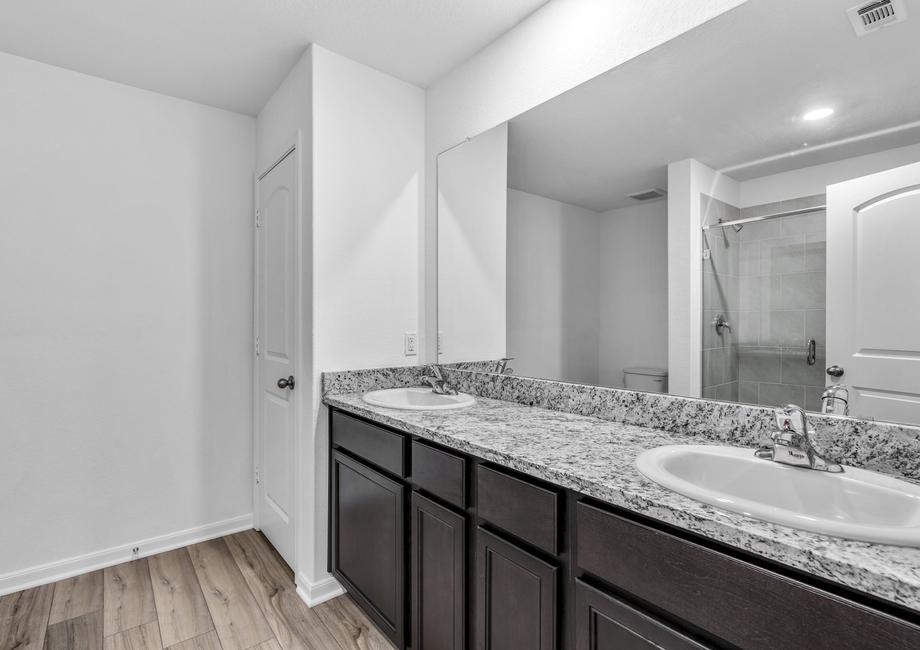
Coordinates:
818	114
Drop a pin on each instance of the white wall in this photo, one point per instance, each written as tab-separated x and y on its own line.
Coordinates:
633	307
125	329
564	43
368	154
814	180
687	179
553	284
472	231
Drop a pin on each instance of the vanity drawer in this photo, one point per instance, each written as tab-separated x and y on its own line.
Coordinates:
372	443
522	508
740	603
439	472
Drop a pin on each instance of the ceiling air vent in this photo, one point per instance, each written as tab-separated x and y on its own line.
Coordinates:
648	195
874	15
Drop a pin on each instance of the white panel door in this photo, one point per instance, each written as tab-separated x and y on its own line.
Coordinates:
873	291
276	370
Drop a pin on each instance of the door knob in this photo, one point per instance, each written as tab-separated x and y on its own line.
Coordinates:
286	383
835	371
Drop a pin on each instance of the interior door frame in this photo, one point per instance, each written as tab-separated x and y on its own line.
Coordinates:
289	146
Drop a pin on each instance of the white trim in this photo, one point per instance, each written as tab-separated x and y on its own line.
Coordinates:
316	593
77	565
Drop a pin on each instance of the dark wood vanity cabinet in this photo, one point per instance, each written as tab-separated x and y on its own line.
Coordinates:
439	576
446	552
604	622
368	541
516	597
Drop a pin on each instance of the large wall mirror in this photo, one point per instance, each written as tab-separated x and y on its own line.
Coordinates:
732	215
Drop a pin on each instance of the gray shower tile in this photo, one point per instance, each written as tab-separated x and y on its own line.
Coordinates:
760	364
803	291
723	257
750	292
730	360
713	367
782	255
795	368
811	201
747	392
814	222
749	258
815	326
813	398
781	394
815	253
748	327
783	328
761	230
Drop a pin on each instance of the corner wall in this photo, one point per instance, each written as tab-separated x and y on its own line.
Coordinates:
688	180
633	309
125	329
368	159
553	282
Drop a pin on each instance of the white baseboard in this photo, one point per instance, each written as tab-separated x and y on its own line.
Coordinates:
67	568
316	593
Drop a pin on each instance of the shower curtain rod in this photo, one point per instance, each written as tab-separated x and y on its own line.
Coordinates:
765	217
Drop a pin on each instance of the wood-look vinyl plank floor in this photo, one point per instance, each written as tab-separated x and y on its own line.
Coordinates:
181	608
76	596
78	633
142	637
207	641
239	621
234	593
350	626
295	625
127	597
24	618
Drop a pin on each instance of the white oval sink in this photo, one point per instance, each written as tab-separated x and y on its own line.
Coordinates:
417	399
857	504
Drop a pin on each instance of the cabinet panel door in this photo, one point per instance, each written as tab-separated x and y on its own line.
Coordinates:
516	594
368	541
438	576
603	622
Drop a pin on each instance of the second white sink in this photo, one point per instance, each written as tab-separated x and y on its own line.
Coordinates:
417	399
857	504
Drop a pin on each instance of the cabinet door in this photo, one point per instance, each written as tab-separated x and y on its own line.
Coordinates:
603	622
438	576
515	597
368	541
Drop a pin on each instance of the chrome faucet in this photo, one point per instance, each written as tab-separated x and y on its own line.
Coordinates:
437	382
835	400
501	366
793	443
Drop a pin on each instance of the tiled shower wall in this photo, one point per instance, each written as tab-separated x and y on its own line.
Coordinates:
769	281
782	281
720	360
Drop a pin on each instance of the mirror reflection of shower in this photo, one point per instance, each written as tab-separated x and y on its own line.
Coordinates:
764	302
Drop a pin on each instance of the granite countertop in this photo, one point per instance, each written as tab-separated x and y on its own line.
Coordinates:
597	458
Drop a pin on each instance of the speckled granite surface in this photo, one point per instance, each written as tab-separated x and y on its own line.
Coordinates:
888	448
596	457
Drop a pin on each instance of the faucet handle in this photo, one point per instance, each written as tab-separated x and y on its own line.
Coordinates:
791	418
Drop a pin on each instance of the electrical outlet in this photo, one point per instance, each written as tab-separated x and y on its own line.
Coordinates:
135	552
440	342
411	344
